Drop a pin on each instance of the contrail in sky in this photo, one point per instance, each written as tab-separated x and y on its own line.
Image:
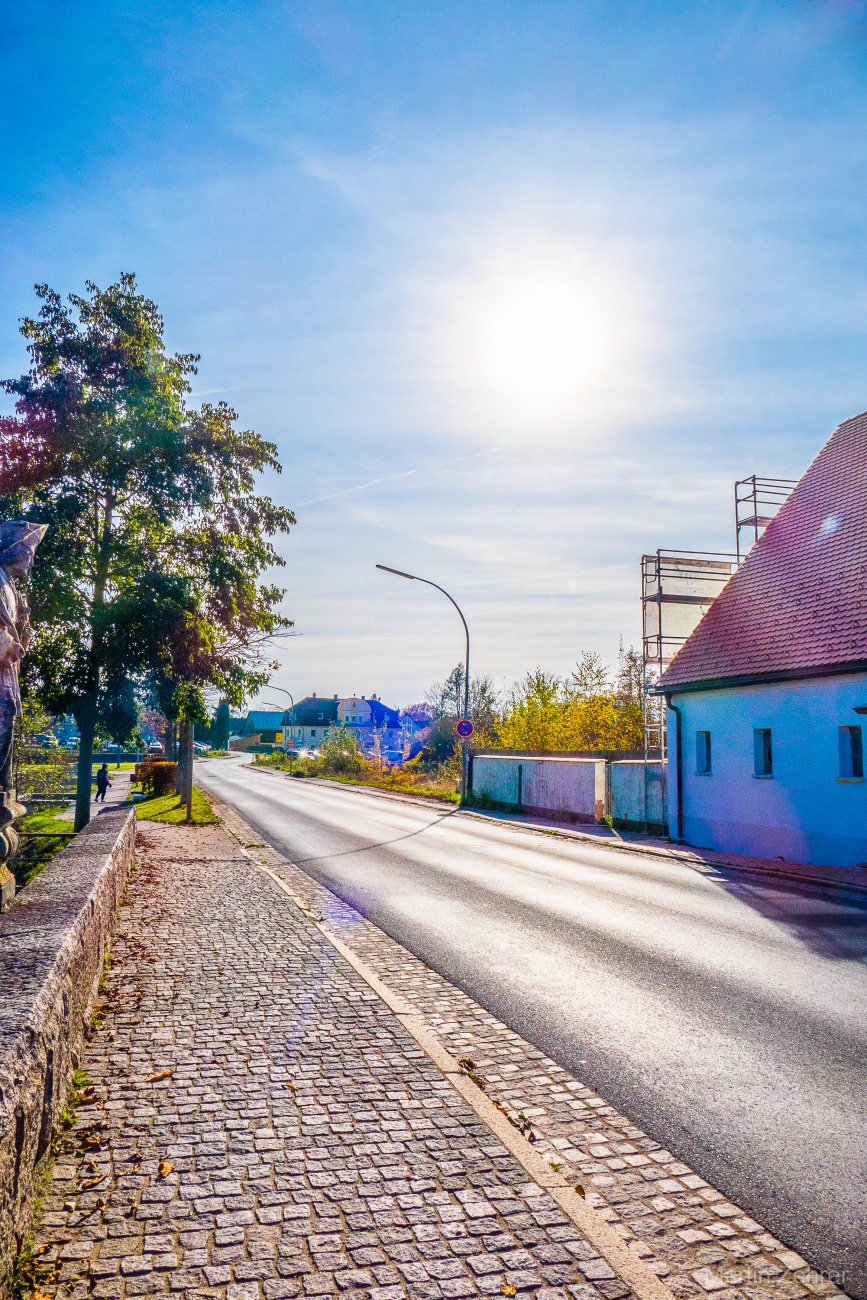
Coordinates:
388	478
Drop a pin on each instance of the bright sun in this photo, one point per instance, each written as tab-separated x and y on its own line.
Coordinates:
538	342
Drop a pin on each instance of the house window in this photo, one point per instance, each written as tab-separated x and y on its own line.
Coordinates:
763	757
702	753
851	753
312	732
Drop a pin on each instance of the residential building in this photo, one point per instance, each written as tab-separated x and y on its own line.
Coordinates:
767	699
377	726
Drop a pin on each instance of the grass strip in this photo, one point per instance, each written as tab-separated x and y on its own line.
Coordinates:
170	808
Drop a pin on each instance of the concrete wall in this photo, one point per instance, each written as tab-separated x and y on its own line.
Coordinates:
52	942
804	812
566	789
636	798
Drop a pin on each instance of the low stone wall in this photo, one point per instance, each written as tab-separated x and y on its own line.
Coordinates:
52	943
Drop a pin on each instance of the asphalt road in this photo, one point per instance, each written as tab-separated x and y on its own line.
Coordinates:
728	1019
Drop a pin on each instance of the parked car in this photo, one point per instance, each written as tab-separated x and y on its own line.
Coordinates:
72	743
200	747
46	740
155	747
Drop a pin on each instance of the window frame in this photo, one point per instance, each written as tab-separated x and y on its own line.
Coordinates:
703	754
763	753
850	756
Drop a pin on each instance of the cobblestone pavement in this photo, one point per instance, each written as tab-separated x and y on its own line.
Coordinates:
259	1122
685	1230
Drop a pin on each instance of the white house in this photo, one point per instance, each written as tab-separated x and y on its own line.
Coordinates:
767	700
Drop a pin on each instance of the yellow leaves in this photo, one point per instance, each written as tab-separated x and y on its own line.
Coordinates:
507	1289
163	1074
552	724
165	1168
93	1182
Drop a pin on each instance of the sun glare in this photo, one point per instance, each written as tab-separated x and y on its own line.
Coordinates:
539	342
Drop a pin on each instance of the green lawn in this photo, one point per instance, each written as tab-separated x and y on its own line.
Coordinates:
168	808
35	854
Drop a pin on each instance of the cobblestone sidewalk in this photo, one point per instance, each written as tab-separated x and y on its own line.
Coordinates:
686	1231
259	1123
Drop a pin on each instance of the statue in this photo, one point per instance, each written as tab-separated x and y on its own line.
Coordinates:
18	543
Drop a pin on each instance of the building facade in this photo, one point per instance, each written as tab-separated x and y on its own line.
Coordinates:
767	699
378	728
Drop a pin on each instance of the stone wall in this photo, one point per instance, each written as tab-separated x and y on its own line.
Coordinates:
52	943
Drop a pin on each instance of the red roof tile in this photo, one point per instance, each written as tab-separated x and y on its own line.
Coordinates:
798	603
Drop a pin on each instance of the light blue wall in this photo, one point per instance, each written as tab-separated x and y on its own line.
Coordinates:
804	812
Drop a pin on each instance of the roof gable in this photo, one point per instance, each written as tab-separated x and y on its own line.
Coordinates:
798	603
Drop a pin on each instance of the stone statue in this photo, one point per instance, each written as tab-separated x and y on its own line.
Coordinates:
18	543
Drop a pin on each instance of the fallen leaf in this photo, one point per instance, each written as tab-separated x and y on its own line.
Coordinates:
165	1168
155	1078
466	1064
579	1189
506	1289
293	1086
92	1182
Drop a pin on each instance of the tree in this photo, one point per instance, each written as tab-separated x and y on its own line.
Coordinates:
588	711
220	726
147	584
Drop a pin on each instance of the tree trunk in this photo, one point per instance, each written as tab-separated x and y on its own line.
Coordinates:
86	726
185	765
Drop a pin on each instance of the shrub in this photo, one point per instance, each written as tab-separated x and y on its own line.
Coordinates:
342	755
156	776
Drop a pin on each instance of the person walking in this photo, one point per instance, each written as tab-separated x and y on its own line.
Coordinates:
103	781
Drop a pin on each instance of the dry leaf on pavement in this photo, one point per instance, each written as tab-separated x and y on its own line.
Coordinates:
163	1074
165	1168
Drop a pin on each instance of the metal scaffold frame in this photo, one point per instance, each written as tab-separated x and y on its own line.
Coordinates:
757	500
677	588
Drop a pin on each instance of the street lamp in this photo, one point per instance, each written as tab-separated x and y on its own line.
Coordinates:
283	691
415	578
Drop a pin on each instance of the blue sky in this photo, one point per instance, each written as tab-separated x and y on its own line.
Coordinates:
519	289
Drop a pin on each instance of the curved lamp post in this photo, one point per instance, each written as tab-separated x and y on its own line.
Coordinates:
415	578
283	691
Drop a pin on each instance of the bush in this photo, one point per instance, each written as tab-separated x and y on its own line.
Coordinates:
342	755
156	776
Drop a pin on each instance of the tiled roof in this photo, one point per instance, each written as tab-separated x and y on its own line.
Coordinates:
798	603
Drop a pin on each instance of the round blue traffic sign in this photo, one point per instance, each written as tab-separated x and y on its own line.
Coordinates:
465	728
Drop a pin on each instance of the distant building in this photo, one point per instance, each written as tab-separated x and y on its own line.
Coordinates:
767	699
377	726
260	727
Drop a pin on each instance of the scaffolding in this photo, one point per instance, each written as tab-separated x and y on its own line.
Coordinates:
757	500
677	589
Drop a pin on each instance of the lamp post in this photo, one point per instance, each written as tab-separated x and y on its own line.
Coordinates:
283	691
415	578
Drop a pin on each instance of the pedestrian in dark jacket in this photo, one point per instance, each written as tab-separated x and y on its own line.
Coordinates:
103	781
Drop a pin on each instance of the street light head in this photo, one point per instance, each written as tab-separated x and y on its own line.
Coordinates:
400	573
